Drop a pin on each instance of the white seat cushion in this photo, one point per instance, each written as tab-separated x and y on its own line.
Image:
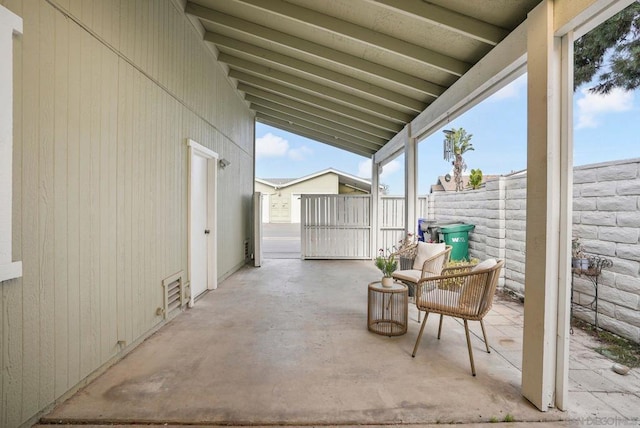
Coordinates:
411	275
485	264
426	250
439	299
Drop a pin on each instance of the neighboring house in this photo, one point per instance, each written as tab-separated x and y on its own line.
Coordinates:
446	183
281	196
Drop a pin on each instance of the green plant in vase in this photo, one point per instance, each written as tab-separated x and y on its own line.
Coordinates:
387	264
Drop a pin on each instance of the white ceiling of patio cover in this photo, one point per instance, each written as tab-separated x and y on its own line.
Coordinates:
351	73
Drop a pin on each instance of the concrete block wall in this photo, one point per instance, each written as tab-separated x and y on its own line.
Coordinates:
515	224
606	218
483	208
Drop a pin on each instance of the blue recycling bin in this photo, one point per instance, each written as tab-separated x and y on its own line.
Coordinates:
425	230
421	229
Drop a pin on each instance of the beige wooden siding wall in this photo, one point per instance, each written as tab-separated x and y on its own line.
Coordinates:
104	100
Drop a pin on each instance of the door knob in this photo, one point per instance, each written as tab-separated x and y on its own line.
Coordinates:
206	231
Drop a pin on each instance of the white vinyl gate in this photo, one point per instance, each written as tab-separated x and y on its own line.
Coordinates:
336	226
339	226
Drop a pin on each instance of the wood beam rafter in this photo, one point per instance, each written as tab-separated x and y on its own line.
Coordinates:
448	19
322	103
362	35
268	99
326	54
321	73
318	90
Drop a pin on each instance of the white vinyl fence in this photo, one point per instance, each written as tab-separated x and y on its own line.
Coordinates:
391	219
336	227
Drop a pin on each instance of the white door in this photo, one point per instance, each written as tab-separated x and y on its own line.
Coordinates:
203	172
200	232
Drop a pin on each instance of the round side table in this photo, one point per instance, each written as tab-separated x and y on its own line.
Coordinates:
388	309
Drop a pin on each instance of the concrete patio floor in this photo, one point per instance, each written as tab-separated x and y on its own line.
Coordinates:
287	344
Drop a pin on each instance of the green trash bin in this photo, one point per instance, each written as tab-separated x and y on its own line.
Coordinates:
457	235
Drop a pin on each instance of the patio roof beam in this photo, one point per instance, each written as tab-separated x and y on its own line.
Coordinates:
380	104
448	19
278	102
315	88
327	54
582	16
499	67
322	103
293	114
363	35
319	73
323	138
312	126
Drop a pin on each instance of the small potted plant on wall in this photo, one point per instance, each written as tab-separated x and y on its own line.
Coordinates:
387	265
578	259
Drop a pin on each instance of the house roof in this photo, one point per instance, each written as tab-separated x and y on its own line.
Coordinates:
343	177
351	73
442	185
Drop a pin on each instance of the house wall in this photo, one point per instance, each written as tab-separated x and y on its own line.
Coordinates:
606	218
280	199
326	184
263	188
105	96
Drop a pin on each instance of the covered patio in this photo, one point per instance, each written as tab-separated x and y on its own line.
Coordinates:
287	344
115	113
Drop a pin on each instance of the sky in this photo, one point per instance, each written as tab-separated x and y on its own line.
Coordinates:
606	128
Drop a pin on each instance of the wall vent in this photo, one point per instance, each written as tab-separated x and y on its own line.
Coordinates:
175	294
247	253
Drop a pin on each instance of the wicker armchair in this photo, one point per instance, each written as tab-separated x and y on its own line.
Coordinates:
462	292
432	266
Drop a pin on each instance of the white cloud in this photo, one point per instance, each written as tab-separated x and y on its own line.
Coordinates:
364	169
390	169
592	106
301	153
512	90
271	146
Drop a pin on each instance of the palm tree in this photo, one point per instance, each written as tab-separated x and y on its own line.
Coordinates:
457	142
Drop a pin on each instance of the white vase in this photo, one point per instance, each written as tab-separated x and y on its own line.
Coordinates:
387	282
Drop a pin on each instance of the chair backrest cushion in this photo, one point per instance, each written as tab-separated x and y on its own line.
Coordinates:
485	264
425	251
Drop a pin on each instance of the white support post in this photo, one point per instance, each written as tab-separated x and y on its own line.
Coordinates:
410	182
544	319
375	204
566	222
